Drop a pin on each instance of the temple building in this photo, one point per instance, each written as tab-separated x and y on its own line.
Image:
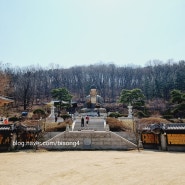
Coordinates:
5	101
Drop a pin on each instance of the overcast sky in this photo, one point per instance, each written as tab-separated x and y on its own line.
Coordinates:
83	32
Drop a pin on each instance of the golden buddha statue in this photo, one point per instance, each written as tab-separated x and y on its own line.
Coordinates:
93	100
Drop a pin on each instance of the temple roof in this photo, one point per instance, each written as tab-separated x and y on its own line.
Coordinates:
4	100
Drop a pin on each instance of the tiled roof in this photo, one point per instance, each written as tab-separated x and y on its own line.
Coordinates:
6	99
175	126
169	126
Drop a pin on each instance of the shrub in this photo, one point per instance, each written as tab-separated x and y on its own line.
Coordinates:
14	119
39	111
167	116
141	114
153	120
167	112
115	115
116	125
176	120
56	128
179	111
65	116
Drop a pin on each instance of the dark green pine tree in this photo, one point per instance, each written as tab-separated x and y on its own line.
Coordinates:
63	96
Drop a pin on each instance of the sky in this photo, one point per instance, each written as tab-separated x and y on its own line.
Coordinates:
83	32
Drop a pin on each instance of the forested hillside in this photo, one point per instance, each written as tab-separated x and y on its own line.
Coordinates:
31	84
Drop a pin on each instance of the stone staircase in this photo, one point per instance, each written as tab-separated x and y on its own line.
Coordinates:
88	140
94	136
96	124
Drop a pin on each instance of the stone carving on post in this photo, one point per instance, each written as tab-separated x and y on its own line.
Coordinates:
52	115
130	111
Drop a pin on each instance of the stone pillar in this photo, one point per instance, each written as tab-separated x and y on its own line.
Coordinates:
67	127
130	111
52	115
163	141
107	128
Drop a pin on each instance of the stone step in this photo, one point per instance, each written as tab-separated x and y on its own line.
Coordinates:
94	124
88	140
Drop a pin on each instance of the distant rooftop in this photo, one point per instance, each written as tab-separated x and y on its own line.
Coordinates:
5	100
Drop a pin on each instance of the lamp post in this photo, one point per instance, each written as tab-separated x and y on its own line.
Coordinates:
129	111
136	132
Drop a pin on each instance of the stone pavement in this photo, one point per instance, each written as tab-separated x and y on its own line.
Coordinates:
95	123
52	119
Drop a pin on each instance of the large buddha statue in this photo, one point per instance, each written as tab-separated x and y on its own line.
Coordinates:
93	100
